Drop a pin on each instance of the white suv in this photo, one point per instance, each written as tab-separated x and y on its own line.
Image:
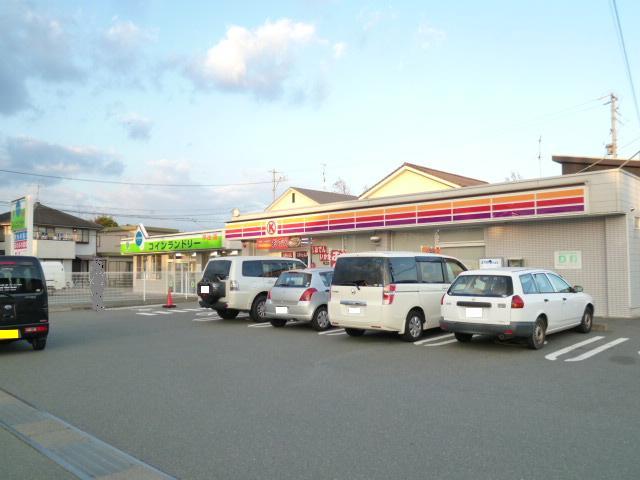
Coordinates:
514	302
392	291
231	285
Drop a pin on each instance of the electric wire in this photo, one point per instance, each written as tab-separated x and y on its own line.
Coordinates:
626	57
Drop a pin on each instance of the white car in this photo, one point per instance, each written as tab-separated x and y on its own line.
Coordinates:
390	291
514	302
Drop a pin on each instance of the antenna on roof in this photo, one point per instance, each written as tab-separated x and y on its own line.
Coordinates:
324	176
540	155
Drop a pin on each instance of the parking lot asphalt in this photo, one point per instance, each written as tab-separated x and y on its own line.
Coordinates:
203	398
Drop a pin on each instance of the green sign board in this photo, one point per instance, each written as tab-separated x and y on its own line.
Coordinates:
568	260
19	215
171	244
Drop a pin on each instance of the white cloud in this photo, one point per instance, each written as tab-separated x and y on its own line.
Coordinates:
137	126
257	61
339	49
121	45
429	36
33	46
36	156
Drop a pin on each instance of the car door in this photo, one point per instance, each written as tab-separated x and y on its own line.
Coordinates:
572	307
433	284
552	302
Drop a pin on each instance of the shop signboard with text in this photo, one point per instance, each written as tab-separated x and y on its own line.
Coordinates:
281	243
22	226
171	244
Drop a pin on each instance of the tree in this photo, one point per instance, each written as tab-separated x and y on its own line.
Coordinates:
340	186
105	221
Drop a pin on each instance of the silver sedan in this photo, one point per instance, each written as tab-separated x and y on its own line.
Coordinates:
300	295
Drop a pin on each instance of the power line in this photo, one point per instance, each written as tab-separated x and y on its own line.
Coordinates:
626	57
135	184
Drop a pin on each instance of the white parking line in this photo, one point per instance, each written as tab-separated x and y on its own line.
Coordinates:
441	343
260	325
433	339
329	332
206	319
554	355
335	334
596	351
146	313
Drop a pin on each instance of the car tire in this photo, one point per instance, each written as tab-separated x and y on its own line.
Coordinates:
258	309
587	321
413	326
227	313
320	319
278	322
354	332
463	337
535	341
39	343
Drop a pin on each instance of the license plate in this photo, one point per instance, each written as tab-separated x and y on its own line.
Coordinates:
474	313
204	289
9	334
354	309
282	310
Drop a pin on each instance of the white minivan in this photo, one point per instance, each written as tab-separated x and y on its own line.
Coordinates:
54	274
391	291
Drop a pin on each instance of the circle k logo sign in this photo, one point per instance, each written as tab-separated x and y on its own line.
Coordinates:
272	227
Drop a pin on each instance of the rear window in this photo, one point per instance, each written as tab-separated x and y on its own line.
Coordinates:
217	268
360	271
20	276
269	268
482	286
294	280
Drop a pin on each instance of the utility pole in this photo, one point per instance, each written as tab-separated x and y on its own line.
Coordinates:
612	148
276	178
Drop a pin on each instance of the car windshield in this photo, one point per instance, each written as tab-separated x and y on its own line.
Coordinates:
360	271
482	286
217	269
20	277
294	280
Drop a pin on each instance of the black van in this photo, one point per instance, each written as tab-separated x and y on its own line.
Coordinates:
24	307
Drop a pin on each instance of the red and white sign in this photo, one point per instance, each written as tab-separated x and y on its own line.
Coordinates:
272	227
318	249
334	256
287	254
429	249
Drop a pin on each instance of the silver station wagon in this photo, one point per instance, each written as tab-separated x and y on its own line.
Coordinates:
300	295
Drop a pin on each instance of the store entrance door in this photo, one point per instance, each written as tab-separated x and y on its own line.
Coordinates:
180	279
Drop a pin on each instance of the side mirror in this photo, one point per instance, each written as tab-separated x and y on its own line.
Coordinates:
577	289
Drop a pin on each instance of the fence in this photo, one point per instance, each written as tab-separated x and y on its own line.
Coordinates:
122	288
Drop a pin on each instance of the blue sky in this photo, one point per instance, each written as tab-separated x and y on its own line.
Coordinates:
222	92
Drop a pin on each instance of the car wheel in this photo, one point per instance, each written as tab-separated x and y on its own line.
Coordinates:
354	332
258	309
227	313
278	322
536	340
320	320
413	326
587	321
39	343
463	337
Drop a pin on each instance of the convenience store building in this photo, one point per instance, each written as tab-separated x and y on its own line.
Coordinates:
584	225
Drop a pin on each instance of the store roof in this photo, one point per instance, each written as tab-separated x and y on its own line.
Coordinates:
322	196
50	217
572	164
446	179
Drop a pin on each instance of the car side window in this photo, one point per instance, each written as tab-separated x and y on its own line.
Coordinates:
543	283
326	278
252	268
528	284
403	270
559	284
453	268
273	268
431	270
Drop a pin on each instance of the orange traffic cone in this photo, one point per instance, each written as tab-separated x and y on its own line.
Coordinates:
169	303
